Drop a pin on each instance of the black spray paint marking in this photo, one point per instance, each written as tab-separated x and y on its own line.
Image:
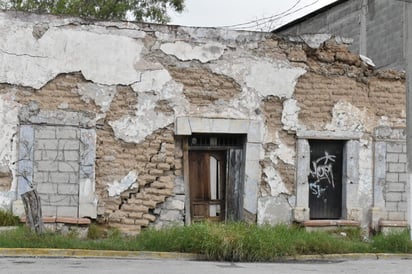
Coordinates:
321	170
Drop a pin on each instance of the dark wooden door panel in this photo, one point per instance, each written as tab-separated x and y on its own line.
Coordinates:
325	179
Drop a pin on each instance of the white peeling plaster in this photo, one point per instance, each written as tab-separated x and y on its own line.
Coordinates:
274	210
102	58
102	95
365	173
345	116
6	199
152	81
128	182
274	180
231	38
265	76
186	52
155	85
290	115
367	60
312	40
9	122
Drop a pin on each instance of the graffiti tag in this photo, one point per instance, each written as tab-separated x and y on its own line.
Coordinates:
322	174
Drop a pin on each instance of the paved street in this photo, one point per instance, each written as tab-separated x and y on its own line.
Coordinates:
89	266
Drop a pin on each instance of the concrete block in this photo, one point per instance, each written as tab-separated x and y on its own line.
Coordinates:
182	126
399	167
71	155
393	197
69	145
403	158
392	157
45	132
301	214
70	189
88	147
46	165
39	177
251	194
46	188
274	210
403	206
49	155
392	177
18	208
49	211
171	215
403	177
254	152
66	133
60	177
46	144
394	147
67	211
68	167
255	132
396	187
396	216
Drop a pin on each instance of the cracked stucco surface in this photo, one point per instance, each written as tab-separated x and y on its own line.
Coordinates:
34	50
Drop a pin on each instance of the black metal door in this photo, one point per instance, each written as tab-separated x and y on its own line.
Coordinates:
325	179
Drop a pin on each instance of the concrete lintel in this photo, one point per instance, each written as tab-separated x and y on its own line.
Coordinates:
58	118
328	135
188	125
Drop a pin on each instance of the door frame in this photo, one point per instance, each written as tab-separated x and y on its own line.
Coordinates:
253	153
351	209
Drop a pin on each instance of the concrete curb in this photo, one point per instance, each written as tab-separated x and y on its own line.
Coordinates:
83	253
148	255
350	256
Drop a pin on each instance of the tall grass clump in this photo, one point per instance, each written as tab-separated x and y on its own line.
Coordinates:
397	242
8	219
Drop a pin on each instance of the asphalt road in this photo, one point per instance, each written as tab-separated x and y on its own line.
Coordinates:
109	265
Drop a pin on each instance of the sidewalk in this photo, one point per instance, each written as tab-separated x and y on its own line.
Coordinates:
83	253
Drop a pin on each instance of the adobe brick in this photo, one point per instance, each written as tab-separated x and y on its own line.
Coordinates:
149	217
163	166
156	172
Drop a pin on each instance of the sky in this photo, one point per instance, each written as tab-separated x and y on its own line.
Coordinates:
244	14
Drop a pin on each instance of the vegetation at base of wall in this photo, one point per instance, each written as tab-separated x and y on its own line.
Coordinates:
8	219
224	242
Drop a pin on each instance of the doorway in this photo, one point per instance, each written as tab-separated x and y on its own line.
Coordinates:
325	179
216	171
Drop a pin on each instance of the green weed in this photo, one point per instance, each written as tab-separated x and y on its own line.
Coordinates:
8	219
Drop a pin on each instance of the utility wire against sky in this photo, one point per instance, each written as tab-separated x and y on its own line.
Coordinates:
270	20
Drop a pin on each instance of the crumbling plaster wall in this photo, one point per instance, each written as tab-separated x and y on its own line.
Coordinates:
136	79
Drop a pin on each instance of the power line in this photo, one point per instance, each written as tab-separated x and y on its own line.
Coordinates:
265	18
270	19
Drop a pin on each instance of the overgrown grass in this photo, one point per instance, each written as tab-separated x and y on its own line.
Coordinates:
8	219
228	242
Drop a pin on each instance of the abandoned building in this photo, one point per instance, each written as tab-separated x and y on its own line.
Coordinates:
137	125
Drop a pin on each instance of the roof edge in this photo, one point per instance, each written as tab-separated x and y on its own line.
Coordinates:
307	16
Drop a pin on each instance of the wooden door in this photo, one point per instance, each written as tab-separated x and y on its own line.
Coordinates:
207	173
325	179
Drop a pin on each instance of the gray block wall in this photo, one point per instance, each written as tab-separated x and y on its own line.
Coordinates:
395	194
56	169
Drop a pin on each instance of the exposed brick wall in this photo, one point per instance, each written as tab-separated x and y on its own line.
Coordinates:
61	93
203	87
273	107
154	159
335	74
